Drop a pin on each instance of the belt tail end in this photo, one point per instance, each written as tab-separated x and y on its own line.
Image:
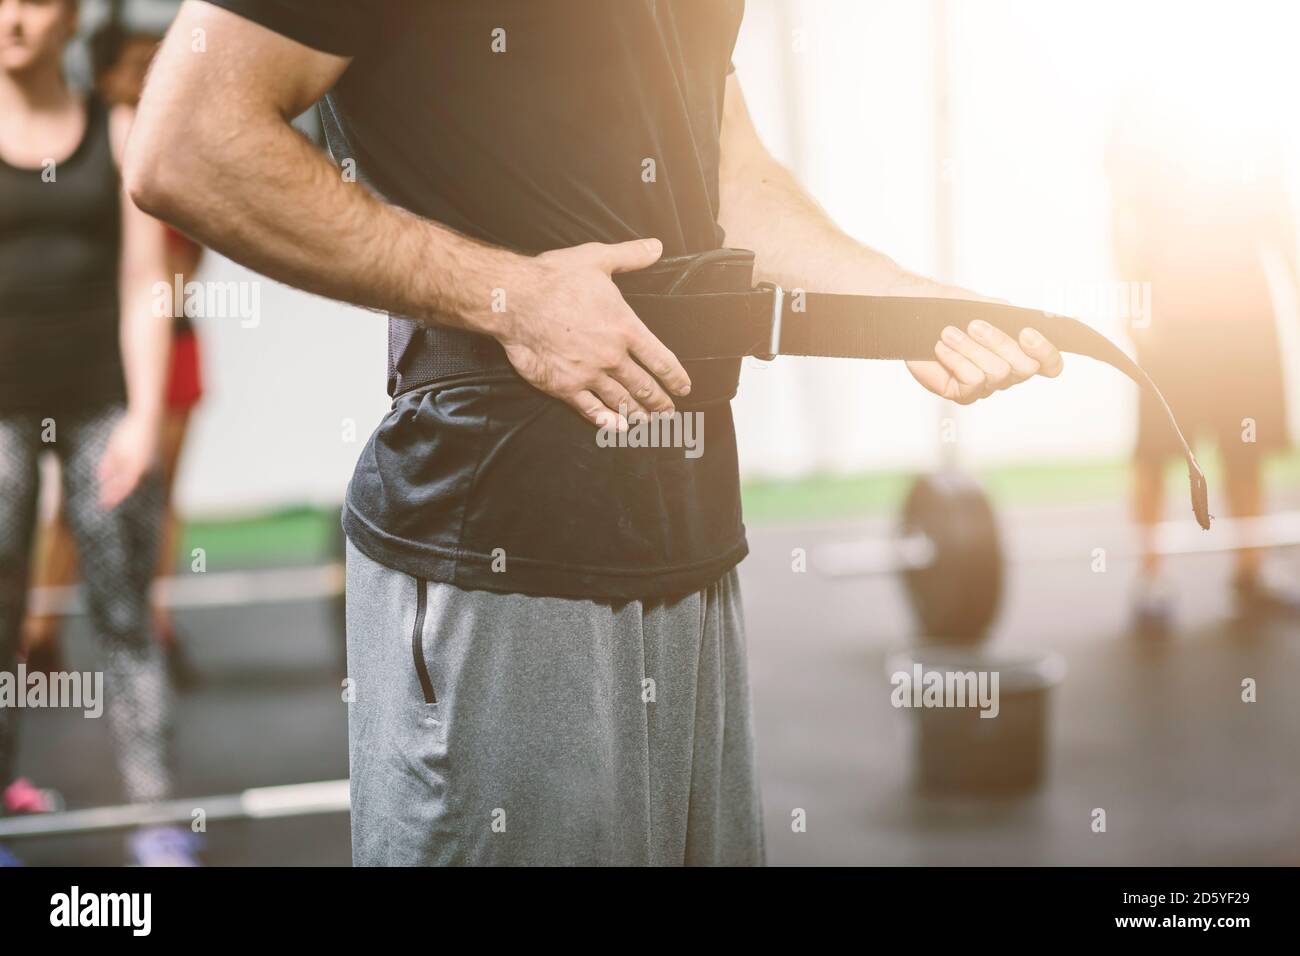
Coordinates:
1200	495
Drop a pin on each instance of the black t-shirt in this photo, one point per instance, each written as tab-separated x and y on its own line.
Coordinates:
528	125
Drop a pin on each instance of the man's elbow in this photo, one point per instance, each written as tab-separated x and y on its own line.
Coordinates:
152	177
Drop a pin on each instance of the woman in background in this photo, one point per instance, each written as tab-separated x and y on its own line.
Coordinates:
83	360
120	60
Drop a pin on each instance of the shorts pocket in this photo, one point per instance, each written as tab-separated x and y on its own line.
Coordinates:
417	641
419	732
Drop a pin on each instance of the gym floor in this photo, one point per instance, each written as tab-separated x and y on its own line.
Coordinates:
1155	733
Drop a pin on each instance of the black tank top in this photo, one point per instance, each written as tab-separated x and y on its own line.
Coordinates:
60	246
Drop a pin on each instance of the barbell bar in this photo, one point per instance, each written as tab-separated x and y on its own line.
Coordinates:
255	803
214	589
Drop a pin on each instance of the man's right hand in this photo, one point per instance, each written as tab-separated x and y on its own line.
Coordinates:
272	201
569	333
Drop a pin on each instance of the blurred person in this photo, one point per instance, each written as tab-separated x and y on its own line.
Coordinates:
500	717
83	360
1199	203
120	59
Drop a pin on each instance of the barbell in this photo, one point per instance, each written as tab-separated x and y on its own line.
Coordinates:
255	803
949	552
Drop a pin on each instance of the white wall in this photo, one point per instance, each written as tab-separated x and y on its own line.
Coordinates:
273	427
1032	85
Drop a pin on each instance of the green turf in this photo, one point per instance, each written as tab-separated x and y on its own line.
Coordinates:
827	497
308	534
831	497
289	536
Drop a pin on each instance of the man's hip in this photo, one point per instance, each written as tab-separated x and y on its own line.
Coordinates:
503	728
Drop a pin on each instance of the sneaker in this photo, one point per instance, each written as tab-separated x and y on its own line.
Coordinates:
22	796
165	846
1153	609
8	859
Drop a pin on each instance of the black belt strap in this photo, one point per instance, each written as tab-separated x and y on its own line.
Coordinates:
704	310
768	322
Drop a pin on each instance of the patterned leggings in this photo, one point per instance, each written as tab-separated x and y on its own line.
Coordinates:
116	551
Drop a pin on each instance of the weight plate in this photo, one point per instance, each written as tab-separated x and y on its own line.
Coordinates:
956	595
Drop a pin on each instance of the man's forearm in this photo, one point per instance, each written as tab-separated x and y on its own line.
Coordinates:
797	245
268	199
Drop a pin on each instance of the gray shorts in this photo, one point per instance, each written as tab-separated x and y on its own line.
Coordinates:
488	728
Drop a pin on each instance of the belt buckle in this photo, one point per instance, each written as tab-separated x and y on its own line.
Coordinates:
778	311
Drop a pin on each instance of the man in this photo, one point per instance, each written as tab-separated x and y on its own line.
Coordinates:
1200	231
545	635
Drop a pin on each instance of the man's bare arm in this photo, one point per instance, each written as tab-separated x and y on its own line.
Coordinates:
213	152
797	245
802	247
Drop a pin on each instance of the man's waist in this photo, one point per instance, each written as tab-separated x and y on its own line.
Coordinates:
420	354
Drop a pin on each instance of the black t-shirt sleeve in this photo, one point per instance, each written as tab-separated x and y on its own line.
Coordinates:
341	27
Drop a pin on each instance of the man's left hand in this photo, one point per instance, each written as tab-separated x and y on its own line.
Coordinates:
981	360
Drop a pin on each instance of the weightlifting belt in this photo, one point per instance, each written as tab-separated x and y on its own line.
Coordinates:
706	311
